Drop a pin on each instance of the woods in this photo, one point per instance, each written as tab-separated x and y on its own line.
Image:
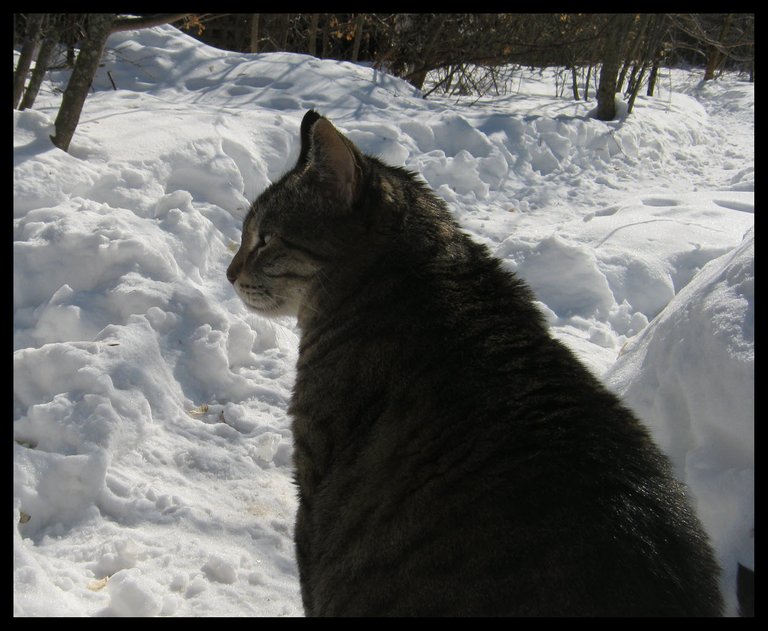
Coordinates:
469	51
465	53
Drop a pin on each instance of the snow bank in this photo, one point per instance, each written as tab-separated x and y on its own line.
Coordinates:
691	376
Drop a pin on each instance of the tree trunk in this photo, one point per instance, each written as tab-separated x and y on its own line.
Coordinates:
255	33
606	91
417	78
636	88
634	50
359	21
285	29
575	83
72	29
99	26
312	36
652	79
41	64
715	56
418	75
31	37
632	79
326	35
586	82
280	29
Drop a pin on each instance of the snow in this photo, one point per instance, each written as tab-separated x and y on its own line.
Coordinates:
152	453
704	417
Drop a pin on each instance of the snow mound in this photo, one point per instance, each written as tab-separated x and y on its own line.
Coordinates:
691	376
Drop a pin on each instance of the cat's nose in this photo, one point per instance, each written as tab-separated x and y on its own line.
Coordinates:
236	266
233	271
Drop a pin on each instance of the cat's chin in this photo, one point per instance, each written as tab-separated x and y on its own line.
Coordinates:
265	305
273	310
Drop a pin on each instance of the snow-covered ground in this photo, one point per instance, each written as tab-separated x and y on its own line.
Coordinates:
152	453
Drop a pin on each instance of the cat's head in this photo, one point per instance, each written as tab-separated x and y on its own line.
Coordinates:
300	223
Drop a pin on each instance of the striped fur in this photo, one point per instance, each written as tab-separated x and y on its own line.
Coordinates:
451	457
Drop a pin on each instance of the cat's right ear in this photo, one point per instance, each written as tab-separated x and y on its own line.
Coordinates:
331	157
310	118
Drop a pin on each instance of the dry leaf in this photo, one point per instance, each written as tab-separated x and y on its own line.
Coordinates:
95	586
199	411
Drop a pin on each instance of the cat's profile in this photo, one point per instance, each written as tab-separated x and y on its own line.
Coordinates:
451	457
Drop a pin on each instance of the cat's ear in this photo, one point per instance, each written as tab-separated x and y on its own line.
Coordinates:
310	118
334	158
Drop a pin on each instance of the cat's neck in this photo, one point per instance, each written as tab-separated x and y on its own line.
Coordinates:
389	265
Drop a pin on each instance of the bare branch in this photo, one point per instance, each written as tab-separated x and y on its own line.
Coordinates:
130	23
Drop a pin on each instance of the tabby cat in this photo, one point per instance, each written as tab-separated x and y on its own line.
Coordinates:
451	457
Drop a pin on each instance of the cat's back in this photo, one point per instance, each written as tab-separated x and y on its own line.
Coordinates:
468	464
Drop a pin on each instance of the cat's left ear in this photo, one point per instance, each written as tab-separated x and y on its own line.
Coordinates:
336	160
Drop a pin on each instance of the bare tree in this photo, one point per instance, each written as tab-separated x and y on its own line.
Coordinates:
326	35
98	30
662	50
42	62
283	28
716	53
640	24
647	57
312	35
717	38
255	33
612	53
31	40
359	23
145	21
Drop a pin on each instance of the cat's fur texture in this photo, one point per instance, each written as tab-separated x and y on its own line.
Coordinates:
451	457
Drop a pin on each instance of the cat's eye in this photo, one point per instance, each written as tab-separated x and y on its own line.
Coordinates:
264	239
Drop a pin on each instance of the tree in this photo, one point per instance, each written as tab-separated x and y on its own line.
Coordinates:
31	38
359	23
467	46
647	56
634	49
327	17
255	33
716	53
618	27
716	39
98	30
312	35
50	39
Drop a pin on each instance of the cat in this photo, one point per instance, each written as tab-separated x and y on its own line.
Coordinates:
451	457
